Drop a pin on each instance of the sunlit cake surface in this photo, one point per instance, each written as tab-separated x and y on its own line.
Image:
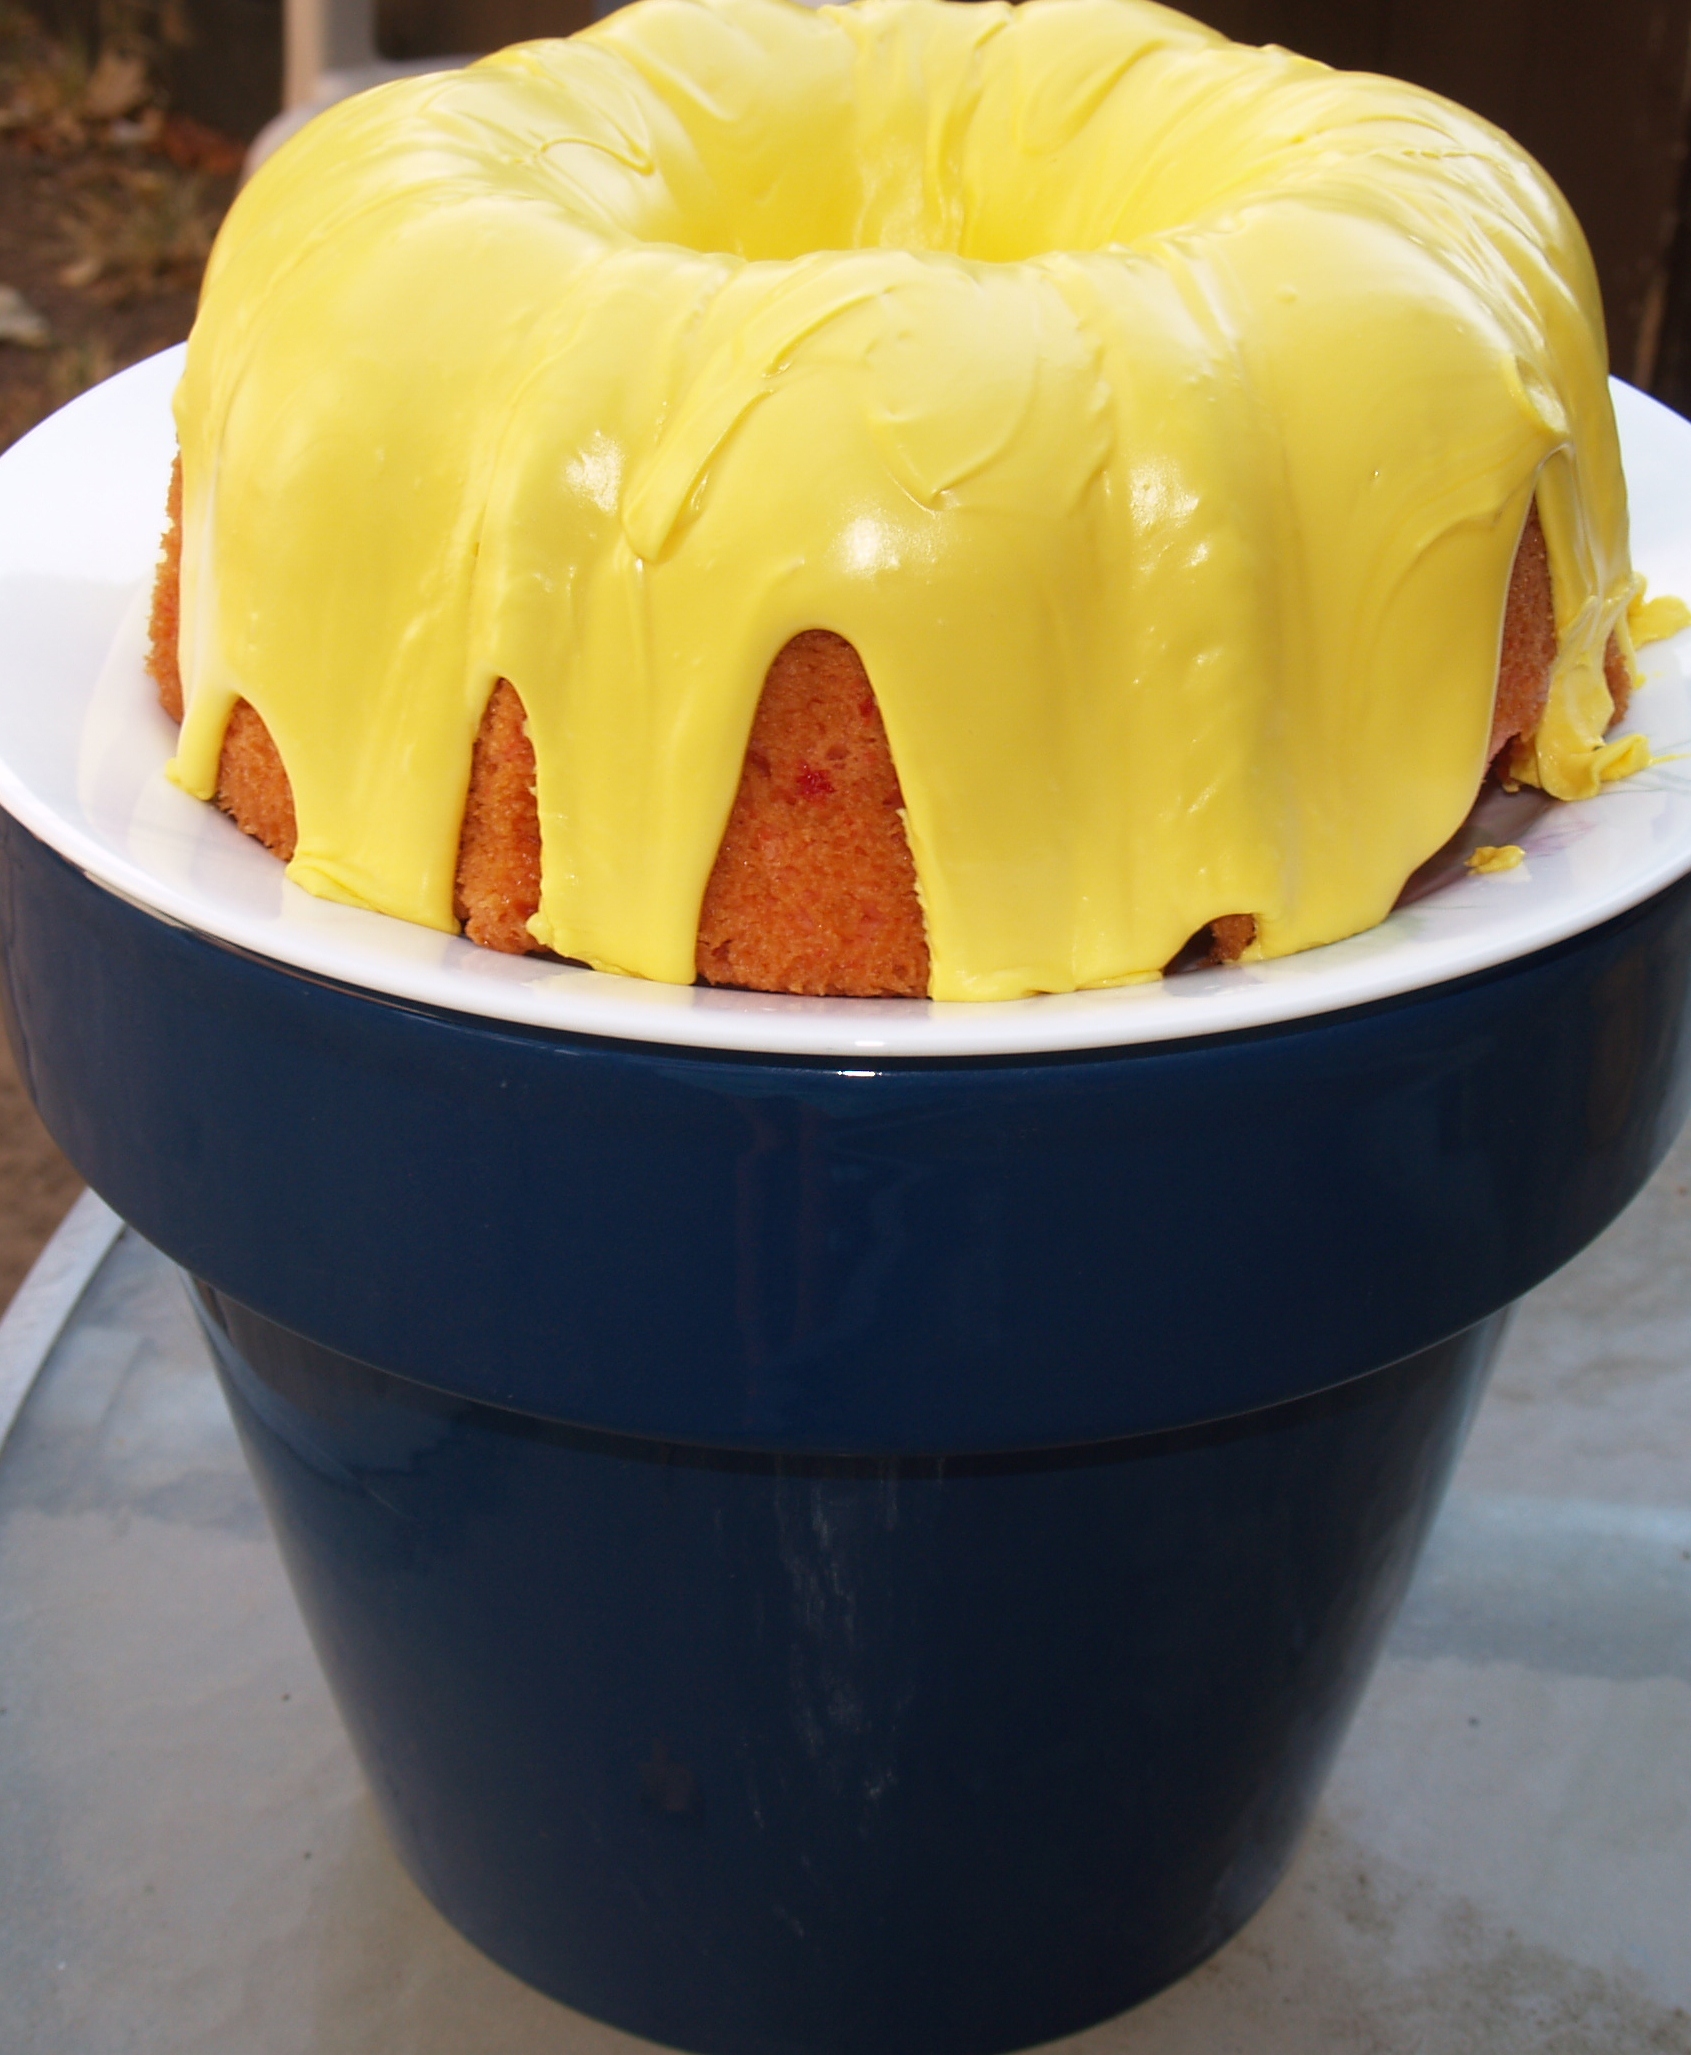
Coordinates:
1156	417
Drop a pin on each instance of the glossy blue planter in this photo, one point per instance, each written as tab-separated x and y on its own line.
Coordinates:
883	1757
819	1558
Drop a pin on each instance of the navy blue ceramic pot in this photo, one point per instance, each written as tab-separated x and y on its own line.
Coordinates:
823	1560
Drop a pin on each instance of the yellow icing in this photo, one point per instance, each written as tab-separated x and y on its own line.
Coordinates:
1504	856
1156	415
1654	620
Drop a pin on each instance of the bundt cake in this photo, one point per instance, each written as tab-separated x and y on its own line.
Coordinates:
908	498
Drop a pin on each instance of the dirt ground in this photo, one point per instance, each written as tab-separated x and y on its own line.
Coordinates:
37	1185
108	206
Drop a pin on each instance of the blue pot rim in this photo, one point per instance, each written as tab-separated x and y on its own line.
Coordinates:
923	1255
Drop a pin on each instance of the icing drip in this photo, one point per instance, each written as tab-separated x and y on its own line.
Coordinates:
1156	417
1489	860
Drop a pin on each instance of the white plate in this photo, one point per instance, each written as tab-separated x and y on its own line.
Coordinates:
83	744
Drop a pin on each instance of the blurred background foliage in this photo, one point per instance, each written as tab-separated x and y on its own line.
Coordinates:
110	196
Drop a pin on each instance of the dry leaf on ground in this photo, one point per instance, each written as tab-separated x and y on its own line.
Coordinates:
116	86
20	323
